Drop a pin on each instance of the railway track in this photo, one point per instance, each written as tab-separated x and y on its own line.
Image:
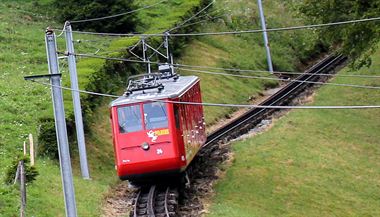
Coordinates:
155	201
248	120
162	201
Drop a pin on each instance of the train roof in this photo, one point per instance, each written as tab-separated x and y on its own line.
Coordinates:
172	89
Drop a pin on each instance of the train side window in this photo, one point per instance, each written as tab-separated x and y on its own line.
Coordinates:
129	119
155	115
177	117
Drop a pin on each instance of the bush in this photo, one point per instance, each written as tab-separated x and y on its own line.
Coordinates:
357	41
47	139
86	9
30	171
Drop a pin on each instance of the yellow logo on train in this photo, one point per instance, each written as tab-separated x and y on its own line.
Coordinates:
162	132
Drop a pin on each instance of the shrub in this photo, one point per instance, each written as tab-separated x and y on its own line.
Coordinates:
86	9
47	139
30	171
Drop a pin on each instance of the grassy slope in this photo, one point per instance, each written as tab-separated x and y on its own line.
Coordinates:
228	51
312	162
244	51
220	51
24	54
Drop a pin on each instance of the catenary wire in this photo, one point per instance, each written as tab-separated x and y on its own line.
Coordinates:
209	14
202	21
117	15
235	32
125	49
113	58
192	17
281	28
255	114
63	30
218	68
275	72
183	66
215	104
282	79
80	91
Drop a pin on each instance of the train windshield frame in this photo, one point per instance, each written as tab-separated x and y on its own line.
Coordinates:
139	117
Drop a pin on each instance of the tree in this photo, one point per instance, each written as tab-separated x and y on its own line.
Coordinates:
358	41
86	9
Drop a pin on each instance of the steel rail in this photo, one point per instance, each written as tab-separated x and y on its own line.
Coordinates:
167	214
151	200
135	207
155	201
279	98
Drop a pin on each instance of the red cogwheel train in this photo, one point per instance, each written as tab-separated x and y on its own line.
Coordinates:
155	130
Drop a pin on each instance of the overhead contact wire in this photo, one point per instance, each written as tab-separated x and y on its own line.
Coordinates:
282	79
275	72
180	66
192	17
216	104
117	15
237	32
226	74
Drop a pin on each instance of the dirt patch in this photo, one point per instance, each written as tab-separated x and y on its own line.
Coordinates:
205	170
118	201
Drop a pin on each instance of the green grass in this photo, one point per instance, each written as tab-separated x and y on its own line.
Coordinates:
22	53
227	51
24	103
312	162
244	52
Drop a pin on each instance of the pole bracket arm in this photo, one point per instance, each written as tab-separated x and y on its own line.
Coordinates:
33	77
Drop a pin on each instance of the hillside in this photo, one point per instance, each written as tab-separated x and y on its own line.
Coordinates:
244	52
24	54
310	162
27	107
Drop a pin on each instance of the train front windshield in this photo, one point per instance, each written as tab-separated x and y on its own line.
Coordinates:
147	116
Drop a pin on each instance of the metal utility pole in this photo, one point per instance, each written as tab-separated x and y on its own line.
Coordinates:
266	42
76	101
60	125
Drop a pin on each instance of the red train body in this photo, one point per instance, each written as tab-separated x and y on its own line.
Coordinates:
154	136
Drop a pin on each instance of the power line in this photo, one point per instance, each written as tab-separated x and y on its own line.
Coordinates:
202	21
209	14
235	32
115	51
76	90
217	104
114	58
271	107
275	72
184	66
283	79
117	15
280	29
192	17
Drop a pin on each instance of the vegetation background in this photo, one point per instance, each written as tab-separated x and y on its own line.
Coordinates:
26	107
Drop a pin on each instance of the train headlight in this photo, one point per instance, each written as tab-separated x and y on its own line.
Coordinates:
145	146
